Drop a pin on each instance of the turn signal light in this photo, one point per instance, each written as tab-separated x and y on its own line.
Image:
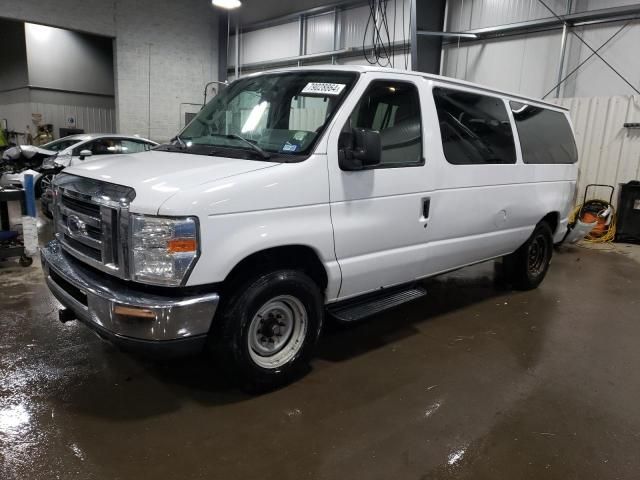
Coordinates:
134	312
180	245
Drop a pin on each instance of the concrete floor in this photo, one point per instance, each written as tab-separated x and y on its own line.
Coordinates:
471	382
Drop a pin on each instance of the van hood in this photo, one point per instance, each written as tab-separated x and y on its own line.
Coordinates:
156	176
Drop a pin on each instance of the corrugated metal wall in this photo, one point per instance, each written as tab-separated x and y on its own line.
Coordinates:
609	153
319	33
282	41
526	64
470	14
90	119
529	64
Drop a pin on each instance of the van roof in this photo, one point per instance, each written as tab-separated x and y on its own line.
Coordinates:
439	78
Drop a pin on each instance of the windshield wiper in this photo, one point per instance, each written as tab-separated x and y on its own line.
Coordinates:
180	141
255	147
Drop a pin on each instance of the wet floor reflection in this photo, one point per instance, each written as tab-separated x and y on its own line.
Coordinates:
473	381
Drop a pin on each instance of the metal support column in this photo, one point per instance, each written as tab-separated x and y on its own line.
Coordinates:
563	49
426	33
223	46
237	48
337	31
301	39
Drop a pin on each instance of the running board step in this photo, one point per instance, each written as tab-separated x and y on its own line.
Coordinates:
359	309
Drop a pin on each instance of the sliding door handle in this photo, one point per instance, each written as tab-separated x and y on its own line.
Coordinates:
426	205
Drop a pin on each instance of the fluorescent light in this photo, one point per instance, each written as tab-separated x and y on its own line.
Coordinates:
228	4
41	33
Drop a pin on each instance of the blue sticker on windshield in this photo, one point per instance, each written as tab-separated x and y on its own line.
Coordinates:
289	147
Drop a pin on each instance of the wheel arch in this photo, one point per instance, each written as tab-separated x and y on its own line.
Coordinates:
296	256
553	220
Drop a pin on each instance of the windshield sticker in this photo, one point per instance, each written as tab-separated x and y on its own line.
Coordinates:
314	88
300	136
289	147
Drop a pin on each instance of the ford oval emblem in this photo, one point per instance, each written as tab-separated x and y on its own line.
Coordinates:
75	226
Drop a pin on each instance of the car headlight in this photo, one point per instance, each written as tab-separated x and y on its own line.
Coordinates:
49	163
163	249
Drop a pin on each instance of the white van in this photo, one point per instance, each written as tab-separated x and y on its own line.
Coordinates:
302	191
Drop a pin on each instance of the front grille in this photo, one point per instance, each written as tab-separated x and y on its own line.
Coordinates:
81	206
91	219
81	247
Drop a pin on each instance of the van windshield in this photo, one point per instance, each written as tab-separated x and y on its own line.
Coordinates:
281	114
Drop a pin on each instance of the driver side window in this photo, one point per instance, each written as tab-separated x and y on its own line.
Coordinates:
393	109
99	146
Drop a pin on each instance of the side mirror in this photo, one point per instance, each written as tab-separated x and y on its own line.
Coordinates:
85	153
359	149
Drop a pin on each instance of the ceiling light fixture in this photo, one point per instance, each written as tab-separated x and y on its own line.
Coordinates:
228	4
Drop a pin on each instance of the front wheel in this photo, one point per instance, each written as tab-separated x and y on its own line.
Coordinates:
44	184
266	332
527	266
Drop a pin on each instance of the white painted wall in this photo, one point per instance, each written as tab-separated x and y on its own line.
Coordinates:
44	65
177	40
67	60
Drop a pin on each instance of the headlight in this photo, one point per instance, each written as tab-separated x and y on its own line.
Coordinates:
163	250
49	162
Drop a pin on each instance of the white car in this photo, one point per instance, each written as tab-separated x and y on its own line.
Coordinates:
303	191
71	150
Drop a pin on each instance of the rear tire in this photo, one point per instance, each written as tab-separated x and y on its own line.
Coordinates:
527	266
266	332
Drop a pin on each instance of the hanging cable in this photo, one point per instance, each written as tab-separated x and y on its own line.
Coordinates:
393	38
379	25
404	38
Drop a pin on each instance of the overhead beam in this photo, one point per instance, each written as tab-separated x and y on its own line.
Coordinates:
447	34
309	12
592	17
312	57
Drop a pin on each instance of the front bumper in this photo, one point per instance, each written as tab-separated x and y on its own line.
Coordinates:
132	319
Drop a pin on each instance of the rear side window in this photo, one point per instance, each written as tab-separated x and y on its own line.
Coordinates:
475	129
545	135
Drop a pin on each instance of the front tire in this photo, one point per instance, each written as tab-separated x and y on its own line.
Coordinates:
44	183
527	266
267	331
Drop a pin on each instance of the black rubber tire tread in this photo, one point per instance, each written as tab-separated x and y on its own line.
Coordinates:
516	264
228	337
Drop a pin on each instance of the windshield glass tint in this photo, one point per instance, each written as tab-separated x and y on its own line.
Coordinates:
280	113
59	145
